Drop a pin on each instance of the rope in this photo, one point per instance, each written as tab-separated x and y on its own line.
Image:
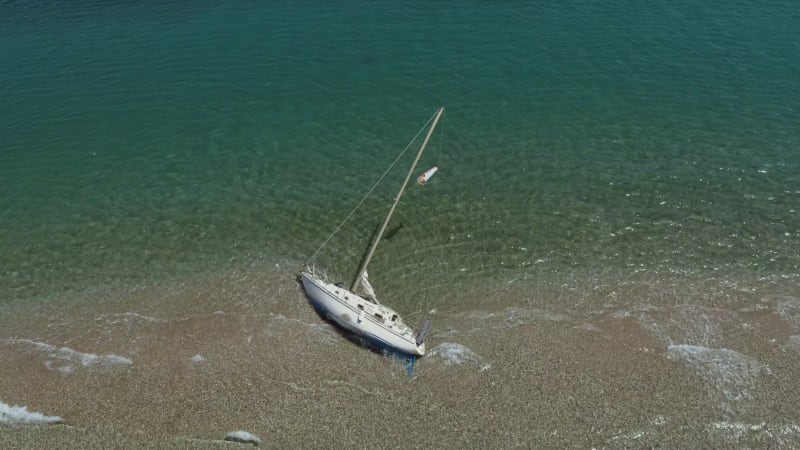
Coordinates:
371	189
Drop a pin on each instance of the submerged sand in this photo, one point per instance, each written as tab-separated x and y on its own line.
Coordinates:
617	363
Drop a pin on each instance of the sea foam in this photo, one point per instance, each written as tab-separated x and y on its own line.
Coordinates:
452	354
65	359
730	372
780	435
19	415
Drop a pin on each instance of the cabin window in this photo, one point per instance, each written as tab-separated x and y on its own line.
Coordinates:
394	317
378	316
337	292
346	297
361	307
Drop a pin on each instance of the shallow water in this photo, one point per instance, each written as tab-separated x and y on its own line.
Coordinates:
147	141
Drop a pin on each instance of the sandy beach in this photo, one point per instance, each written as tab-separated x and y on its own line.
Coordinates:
614	366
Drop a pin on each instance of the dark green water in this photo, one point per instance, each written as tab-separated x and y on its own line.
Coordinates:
161	140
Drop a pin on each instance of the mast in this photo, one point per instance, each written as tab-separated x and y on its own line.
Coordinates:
396	201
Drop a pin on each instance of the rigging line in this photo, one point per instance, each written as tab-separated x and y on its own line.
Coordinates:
441	142
371	189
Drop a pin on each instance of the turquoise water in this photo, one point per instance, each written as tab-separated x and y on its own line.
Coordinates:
161	140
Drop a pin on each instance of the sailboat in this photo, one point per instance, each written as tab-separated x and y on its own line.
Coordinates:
357	309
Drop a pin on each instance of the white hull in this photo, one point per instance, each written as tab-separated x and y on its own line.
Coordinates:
377	323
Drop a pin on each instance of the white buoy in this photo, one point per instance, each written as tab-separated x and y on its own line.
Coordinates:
427	175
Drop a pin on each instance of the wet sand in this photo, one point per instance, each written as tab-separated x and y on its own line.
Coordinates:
674	362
